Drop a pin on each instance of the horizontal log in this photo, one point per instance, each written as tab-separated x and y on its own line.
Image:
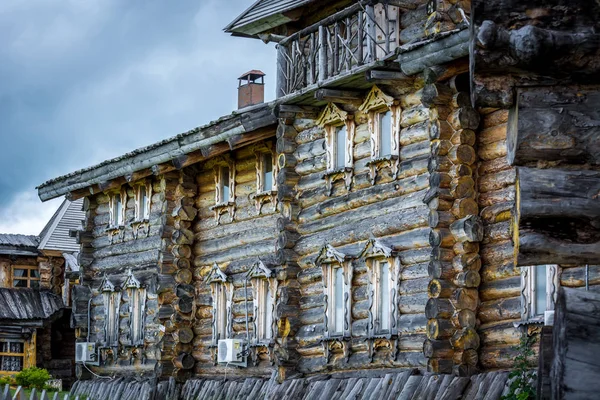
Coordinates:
437	349
468	229
502	309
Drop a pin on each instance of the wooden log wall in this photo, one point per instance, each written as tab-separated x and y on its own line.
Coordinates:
500	290
235	245
452	341
423	18
390	210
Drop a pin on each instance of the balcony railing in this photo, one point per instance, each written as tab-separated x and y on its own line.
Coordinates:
359	35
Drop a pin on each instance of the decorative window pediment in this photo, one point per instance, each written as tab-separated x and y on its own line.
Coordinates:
383	265
339	139
266	176
222	300
539	290
106	285
337	274
131	281
383	113
264	287
224	172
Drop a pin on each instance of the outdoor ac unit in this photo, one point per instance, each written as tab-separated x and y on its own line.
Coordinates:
85	352
232	351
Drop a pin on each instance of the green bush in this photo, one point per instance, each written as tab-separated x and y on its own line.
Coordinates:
6	380
521	388
33	377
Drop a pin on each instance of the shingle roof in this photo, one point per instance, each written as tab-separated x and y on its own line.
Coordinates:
56	233
28	304
14	244
263	15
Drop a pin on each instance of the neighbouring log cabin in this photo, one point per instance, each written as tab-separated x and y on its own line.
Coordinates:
423	184
36	273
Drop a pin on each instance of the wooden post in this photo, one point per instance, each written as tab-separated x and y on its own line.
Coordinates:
322	53
282	82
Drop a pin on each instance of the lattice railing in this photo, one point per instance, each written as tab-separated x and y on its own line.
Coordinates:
358	35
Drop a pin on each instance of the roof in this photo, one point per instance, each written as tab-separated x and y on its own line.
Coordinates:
254	72
28	304
223	130
264	15
22	245
56	234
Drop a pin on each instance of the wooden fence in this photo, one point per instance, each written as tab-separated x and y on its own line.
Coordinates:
19	394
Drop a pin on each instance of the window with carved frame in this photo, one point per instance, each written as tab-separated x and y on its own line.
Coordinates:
112	301
224	172
222	293
143	195
339	129
25	276
266	175
337	271
383	113
117	208
264	288
382	264
539	289
137	309
12	355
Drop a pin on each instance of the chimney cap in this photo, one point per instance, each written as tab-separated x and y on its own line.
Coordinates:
252	75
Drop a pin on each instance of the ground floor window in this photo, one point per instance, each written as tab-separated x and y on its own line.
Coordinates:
12	355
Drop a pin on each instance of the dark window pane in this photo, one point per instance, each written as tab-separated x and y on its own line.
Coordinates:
19	273
267	172
385	134
34	284
34	273
20	282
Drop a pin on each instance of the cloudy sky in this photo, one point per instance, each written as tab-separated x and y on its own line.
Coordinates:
86	80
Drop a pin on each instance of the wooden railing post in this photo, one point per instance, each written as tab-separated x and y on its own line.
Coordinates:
322	53
282	84
371	33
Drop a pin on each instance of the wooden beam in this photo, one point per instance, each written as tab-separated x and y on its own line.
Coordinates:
555	124
379	76
557	217
338	96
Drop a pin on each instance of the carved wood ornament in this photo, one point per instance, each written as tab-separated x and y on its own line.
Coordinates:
374	254
263	196
330	119
376	103
330	259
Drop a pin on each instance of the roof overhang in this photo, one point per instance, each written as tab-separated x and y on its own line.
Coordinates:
233	131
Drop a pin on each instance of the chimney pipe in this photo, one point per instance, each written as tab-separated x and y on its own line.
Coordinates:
251	89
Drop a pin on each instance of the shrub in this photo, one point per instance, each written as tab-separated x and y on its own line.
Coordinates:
33	377
521	388
6	380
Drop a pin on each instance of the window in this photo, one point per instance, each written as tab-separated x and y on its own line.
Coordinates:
137	306
382	265
340	147
266	169
264	286
267	173
222	293
224	185
142	202
384	128
12	355
337	281
224	170
117	209
539	291
111	302
25	276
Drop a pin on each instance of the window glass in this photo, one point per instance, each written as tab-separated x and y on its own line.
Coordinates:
540	289
267	315
13	362
34	273
267	172
20	283
338	287
224	184
340	147
221	313
19	273
384	296
34	284
142	206
385	134
118	210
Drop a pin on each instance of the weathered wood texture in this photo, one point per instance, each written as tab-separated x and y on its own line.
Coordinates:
554	124
556	217
576	367
500	288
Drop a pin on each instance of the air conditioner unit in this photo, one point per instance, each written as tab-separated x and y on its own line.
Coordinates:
232	351
85	352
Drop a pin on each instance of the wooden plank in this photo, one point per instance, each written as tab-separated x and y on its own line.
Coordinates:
494	391
455	388
410	387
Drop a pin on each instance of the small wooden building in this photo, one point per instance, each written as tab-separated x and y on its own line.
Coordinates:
36	273
409	201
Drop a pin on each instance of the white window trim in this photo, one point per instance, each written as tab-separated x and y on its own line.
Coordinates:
259	152
114	222
138	200
263	284
528	294
222	295
329	259
223	206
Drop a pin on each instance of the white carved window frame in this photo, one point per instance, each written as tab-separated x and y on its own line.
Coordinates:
141	188
374	254
329	259
264	296
137	309
330	119
375	104
222	299
223	206
116	216
528	293
111	301
263	196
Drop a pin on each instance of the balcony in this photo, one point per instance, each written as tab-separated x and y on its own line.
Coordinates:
343	44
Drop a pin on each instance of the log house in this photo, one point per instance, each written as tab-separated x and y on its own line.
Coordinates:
396	207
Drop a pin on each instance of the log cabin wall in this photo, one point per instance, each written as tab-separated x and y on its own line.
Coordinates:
421	19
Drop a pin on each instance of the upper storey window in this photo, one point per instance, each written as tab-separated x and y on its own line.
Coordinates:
266	176
383	114
25	276
339	138
117	205
143	194
224	172
539	290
